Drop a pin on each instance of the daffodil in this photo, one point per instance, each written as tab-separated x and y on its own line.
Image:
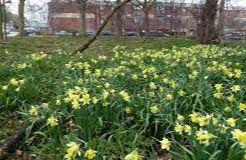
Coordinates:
14	82
181	93
193	75
45	105
187	129
72	151
85	99
52	121
179	128
204	137
180	118
95	100
204	120
76	104
169	97
227	109
242	107
240	136
218	95
165	144
231	98
107	85
105	94
215	121
237	73
194	117
17	89
134	155
87	72
223	128
125	96
231	122
135	76
152	85
58	102
39	56
235	88
33	111
90	154
5	88
22	81
154	109
128	110
219	87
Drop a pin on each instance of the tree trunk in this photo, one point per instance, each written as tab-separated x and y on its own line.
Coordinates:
4	21
139	33
93	38
119	20
82	13
172	19
206	28
21	9
1	22
221	22
146	21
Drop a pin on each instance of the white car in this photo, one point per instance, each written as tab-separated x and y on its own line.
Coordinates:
63	34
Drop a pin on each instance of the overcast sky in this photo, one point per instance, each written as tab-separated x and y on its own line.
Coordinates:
41	5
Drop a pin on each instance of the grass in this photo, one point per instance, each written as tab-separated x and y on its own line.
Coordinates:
121	102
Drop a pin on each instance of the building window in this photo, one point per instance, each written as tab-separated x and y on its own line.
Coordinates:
138	20
160	8
160	19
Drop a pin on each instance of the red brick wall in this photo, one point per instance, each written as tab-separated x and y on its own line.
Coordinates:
180	17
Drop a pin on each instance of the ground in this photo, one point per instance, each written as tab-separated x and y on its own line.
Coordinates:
122	97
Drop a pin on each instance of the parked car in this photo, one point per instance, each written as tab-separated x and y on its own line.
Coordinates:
166	35
29	31
156	33
131	33
106	33
233	36
89	33
63	34
7	31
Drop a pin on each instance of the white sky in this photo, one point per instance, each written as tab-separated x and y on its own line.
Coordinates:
42	14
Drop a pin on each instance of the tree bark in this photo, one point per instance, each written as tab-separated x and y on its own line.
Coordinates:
146	21
4	17
221	23
109	16
82	13
119	21
206	28
21	9
1	22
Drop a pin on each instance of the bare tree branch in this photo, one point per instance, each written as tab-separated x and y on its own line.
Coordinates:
92	39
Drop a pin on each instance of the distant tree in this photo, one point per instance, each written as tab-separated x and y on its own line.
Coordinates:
146	6
82	12
21	10
119	20
221	22
12	17
173	11
36	11
1	22
94	37
206	28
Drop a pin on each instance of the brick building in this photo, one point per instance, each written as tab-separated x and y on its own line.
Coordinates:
235	20
166	17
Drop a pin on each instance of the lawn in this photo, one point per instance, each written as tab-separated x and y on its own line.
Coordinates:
123	99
